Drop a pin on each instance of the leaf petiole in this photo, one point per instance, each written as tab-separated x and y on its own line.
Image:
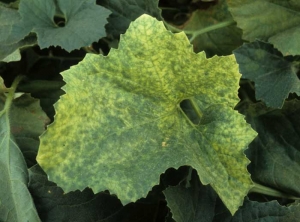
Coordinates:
169	8
195	34
10	94
211	28
258	188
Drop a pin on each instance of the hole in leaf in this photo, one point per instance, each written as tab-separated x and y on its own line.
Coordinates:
189	111
59	21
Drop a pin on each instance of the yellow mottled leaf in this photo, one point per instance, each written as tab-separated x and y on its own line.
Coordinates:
120	124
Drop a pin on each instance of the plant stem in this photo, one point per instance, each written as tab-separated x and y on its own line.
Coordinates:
169	8
258	188
211	28
172	28
195	34
10	94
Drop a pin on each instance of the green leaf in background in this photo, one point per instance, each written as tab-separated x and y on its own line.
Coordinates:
10	53
28	121
198	203
54	205
195	203
131	128
275	76
126	11
16	204
3	88
12	33
48	92
12	28
83	29
275	153
253	211
277	21
213	30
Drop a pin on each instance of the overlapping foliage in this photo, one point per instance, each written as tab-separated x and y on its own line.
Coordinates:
150	125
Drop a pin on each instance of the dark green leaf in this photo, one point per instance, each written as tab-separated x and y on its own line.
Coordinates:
274	75
275	153
126	11
253	211
54	205
48	92
16	204
195	203
28	122
12	28
40	86
82	29
12	33
277	21
199	203
213	30
9	53
136	212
